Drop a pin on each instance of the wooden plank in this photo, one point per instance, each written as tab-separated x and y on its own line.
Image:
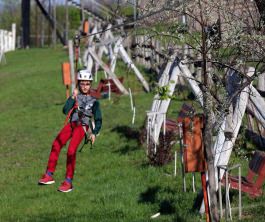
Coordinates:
192	82
127	60
110	73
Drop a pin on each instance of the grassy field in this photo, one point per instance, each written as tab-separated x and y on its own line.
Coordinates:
113	181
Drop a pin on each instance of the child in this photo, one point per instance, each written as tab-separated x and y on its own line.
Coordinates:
80	107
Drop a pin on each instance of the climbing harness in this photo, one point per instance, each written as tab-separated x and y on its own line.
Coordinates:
87	140
70	113
88	131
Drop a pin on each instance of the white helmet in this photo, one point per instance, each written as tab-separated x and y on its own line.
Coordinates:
84	75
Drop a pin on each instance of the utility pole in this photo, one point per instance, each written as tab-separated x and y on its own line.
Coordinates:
135	4
25	12
49	12
42	22
37	26
82	11
66	21
55	23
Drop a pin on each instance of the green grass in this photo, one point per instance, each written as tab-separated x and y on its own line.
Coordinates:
113	181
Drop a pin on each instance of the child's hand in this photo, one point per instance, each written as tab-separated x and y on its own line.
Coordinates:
93	138
75	93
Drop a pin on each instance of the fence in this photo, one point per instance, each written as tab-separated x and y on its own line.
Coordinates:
8	39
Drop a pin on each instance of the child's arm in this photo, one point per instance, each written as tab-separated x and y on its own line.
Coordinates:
97	118
70	102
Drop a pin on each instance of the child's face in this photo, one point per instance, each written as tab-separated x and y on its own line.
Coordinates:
84	86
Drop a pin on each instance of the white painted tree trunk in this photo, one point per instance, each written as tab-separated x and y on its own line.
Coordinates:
162	110
222	147
160	107
261	82
163	81
257	105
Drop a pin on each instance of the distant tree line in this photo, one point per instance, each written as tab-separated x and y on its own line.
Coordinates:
39	30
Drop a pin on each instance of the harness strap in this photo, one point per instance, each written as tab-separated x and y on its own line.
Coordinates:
88	132
70	113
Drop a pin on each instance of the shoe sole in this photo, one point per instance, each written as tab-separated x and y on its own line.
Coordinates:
65	191
47	183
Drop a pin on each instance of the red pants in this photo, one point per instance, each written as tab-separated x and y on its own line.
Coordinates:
76	133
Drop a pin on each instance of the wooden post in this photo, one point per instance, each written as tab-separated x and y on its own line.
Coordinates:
175	164
226	195
13	36
220	193
181	155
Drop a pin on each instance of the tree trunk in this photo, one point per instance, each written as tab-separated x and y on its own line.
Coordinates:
208	143
208	130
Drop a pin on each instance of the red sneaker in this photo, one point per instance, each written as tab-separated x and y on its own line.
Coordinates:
65	187
46	179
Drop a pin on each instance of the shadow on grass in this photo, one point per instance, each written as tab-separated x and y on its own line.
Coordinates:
127	132
166	205
150	195
126	149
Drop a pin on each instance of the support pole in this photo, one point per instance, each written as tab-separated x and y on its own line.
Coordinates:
181	155
71	59
66	21
226	195
55	24
239	196
205	196
220	194
193	183
175	163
